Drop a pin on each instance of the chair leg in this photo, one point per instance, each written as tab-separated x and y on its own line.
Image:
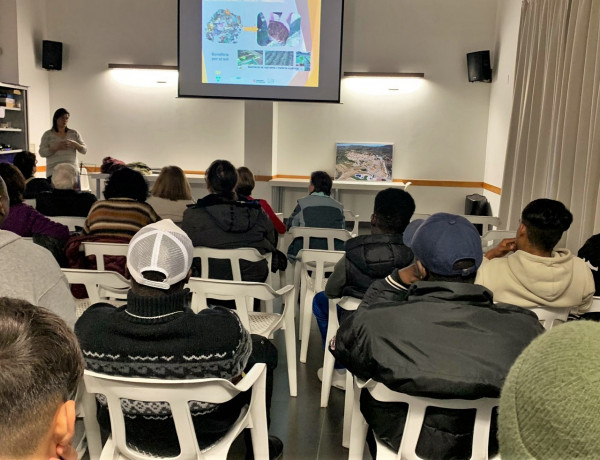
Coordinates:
306	312
358	432
348	407
328	360
290	350
259	431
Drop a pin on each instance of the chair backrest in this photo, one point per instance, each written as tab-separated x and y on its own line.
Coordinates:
242	292
317	262
595	308
31	202
84	180
551	316
350	216
329	234
70	221
234	256
177	393
416	414
101	285
103	249
490	239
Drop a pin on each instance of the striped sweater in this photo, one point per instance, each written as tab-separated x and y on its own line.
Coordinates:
118	217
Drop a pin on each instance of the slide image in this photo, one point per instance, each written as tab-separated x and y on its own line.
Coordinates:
279	58
282	29
224	27
303	60
249	57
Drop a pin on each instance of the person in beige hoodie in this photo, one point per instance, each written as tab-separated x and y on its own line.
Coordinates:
537	274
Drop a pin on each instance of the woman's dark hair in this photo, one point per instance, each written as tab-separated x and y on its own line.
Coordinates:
26	162
59	113
221	177
15	182
245	183
126	183
321	181
545	221
393	209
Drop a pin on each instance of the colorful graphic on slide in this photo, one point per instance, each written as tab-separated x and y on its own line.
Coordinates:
261	42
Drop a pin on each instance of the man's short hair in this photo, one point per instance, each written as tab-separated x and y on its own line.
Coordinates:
393	209
322	182
64	176
246	182
40	367
545	221
26	162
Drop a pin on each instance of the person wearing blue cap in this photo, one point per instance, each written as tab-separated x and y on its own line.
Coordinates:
446	339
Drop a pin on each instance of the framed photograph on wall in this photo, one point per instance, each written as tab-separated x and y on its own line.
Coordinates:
364	161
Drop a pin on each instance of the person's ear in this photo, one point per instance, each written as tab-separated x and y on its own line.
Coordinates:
373	220
189	275
422	270
311	188
521	231
63	424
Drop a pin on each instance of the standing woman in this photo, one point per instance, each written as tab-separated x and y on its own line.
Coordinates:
61	144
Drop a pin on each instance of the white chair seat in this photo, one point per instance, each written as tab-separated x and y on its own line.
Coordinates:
263	323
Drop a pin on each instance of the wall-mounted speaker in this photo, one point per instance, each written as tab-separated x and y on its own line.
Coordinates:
478	65
52	55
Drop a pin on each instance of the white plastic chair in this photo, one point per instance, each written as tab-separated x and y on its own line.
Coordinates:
178	393
492	238
70	221
551	316
104	249
101	286
329	234
264	324
414	421
234	256
349	304
84	180
595	308
350	216
310	269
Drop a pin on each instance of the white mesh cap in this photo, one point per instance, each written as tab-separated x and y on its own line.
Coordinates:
161	247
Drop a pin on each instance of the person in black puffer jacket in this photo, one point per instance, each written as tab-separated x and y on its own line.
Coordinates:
369	257
220	220
446	340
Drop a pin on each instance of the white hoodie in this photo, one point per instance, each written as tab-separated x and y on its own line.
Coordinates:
527	280
30	272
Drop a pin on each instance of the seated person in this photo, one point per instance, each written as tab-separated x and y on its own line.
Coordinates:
551	399
244	188
23	219
537	274
446	340
171	194
124	211
26	163
29	272
220	220
317	209
65	200
40	368
158	321
590	253
368	257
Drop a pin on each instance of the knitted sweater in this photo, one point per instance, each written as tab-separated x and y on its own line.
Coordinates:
118	217
49	138
162	338
25	221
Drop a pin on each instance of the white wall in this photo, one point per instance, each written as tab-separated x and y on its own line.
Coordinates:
503	63
9	69
127	122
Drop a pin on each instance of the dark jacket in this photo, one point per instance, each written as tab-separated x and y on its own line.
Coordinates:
36	185
372	257
65	203
447	340
217	222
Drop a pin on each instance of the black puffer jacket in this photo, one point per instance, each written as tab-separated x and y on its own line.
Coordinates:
447	340
372	257
217	222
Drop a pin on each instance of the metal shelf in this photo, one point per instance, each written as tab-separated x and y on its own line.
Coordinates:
11	130
10	151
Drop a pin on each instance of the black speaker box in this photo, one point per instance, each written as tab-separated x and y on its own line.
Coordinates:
52	55
478	64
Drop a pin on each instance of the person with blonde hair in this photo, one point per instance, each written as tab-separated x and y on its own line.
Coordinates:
40	367
64	200
171	194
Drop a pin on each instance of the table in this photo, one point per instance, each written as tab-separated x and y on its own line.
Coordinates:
151	178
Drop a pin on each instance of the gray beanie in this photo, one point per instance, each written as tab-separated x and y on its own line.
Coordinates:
550	402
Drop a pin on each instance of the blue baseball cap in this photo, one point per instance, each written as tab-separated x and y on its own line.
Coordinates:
442	240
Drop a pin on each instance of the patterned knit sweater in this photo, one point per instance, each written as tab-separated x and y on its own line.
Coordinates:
163	338
118	217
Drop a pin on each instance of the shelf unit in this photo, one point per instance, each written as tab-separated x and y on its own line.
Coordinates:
15	138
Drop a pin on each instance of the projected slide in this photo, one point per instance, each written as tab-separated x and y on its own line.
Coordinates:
273	43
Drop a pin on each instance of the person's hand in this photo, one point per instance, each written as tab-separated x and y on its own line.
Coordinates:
506	245
67	452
